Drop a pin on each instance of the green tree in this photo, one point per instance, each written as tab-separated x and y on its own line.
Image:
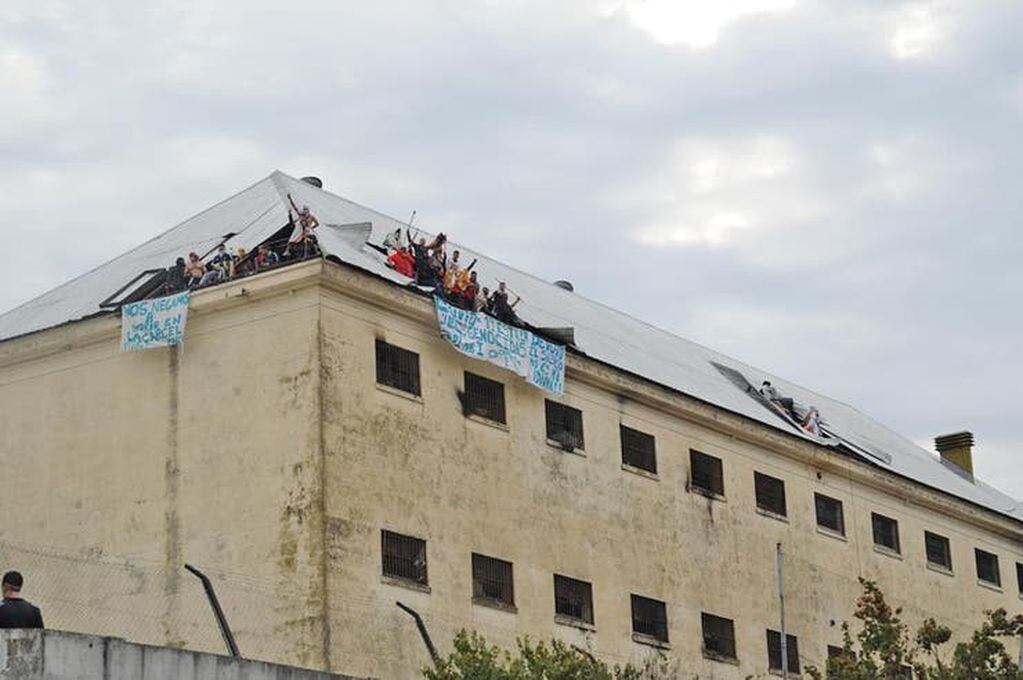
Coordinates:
883	648
474	658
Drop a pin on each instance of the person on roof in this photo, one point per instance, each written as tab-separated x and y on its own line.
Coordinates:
812	421
772	395
195	270
15	611
467	293
482	301
176	279
401	261
241	265
306	221
266	258
393	241
501	308
221	262
456	276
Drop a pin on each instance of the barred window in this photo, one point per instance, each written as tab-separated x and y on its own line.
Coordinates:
886	532
484	397
492	580
829	513
987	567
397	368
705	473
565	425
650	618
770	493
404	557
938	551
573	599
718	636
638	449
774	652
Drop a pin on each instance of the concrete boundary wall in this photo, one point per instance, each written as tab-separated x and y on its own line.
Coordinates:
56	655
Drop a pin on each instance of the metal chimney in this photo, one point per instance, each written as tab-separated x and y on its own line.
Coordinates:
956	448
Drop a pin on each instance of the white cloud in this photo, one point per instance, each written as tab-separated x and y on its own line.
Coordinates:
918	30
697	23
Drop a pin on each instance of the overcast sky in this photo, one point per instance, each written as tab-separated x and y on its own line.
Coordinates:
826	190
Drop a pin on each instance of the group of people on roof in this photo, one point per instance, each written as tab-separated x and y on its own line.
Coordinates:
193	272
428	264
807	417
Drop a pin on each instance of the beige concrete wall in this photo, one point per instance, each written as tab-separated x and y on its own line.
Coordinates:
120	467
264	452
417	466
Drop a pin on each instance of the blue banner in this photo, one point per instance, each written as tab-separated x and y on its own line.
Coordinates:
540	362
154	323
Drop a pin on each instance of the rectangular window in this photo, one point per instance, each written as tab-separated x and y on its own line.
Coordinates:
404	557
1019	578
938	551
565	425
770	493
484	397
718	636
638	449
705	473
829	513
774	652
650	618
573	599
492	580
886	532
987	567
397	368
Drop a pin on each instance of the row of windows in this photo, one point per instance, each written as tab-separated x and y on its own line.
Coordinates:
399	368
404	558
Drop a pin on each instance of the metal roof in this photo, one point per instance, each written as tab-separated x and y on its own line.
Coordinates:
602	333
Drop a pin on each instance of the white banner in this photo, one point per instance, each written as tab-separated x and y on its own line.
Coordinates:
154	323
540	362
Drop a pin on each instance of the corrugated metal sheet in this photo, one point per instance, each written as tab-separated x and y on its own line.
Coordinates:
600	332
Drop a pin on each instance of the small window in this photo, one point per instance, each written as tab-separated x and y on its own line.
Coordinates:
638	449
404	557
565	425
397	368
573	599
829	513
838	652
886	532
1019	578
718	636
774	652
492	580
650	618
987	567
938	551
770	493
484	398
705	473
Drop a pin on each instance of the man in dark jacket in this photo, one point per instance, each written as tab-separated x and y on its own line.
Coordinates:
175	281
14	611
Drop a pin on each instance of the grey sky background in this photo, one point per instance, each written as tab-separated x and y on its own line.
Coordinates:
827	190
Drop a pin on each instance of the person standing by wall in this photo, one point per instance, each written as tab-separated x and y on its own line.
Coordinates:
16	612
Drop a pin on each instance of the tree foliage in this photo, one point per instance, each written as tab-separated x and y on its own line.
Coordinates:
883	648
475	659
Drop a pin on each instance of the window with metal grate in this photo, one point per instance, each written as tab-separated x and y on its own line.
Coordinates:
638	449
718	636
492	580
774	652
484	397
939	552
397	367
650	618
829	513
573	599
564	425
705	473
404	557
987	567
886	532
770	493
